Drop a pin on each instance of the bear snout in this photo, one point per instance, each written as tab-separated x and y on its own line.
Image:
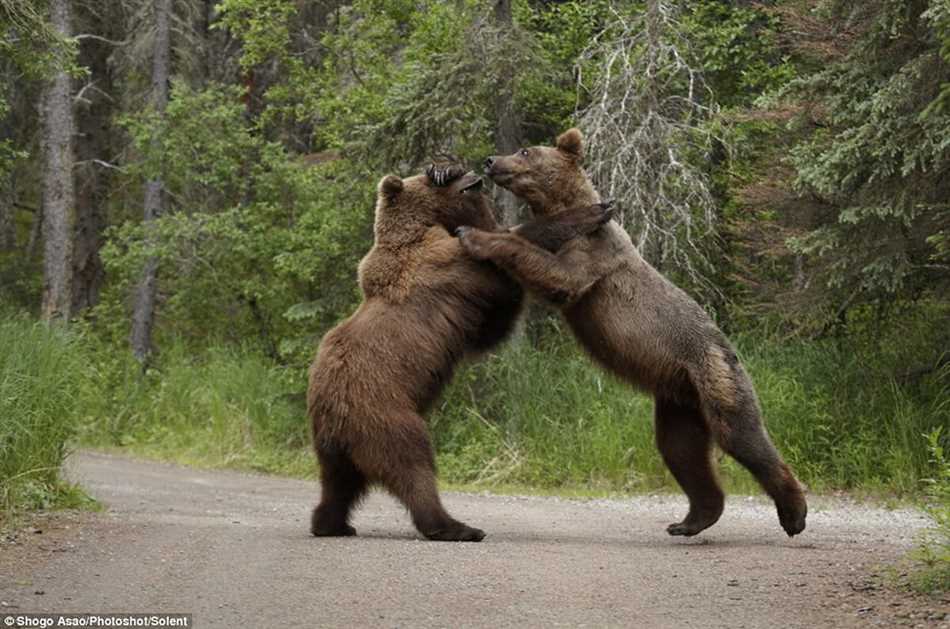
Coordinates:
489	162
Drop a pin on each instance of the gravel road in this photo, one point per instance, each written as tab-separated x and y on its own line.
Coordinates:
234	550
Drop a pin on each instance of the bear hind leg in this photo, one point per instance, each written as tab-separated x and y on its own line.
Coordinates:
686	446
342	486
744	438
404	463
416	488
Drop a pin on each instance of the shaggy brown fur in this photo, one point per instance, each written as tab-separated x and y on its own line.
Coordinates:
638	325
426	305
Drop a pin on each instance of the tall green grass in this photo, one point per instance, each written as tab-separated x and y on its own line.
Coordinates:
225	407
43	378
545	417
933	553
847	413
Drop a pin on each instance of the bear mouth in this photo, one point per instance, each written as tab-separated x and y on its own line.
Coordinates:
502	178
473	182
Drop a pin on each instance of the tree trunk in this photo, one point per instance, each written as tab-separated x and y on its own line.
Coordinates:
507	128
143	315
58	191
7	187
7	213
94	142
507	141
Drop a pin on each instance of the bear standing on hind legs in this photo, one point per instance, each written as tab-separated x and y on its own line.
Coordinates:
426	306
638	325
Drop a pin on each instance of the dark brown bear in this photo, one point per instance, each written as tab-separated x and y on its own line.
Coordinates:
638	325
426	306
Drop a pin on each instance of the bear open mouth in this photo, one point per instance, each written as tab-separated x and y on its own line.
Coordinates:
475	184
501	178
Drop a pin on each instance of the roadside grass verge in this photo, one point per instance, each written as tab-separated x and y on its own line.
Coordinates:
848	413
841	411
933	554
868	413
227	407
43	382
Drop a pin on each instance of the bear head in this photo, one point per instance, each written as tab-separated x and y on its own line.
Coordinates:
445	195
549	179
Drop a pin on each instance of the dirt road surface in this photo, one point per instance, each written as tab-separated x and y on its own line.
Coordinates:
234	550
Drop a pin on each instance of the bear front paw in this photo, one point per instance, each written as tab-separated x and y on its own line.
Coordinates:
473	242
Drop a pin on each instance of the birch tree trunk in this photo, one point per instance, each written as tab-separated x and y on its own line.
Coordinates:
143	316
58	189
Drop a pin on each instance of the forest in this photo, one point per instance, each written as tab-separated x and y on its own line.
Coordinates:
188	187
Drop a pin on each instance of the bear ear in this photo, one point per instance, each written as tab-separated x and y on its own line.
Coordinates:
571	142
391	185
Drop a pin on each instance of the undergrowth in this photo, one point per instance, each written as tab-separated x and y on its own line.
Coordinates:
43	384
223	408
934	550
847	412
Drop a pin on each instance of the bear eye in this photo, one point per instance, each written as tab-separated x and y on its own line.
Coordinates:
524	152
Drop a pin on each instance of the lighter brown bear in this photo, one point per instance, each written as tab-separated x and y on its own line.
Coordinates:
426	306
638	325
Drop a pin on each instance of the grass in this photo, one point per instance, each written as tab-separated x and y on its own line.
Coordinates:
866	413
228	408
933	554
848	413
549	419
42	376
843	412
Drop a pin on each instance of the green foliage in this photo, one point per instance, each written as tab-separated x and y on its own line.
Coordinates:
9	152
43	384
401	86
263	25
737	49
844	413
254	235
230	408
934	551
850	410
201	148
586	430
548	96
938	14
880	160
29	41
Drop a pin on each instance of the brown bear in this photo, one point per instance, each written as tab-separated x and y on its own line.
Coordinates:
426	306
641	327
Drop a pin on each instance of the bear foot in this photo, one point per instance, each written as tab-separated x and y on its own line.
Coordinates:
457	532
686	529
792	517
694	524
342	530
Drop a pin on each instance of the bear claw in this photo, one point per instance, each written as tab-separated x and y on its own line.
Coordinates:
682	529
693	525
460	533
793	524
338	531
